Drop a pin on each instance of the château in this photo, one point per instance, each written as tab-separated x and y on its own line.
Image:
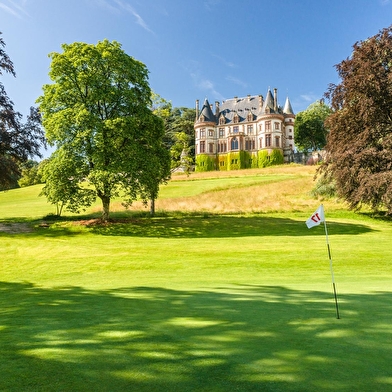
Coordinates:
243	133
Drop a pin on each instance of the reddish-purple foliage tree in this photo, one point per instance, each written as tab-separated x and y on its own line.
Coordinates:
359	144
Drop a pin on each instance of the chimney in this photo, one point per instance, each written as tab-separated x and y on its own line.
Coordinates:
216	109
261	101
275	100
197	109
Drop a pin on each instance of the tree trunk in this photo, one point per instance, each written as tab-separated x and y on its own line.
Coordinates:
105	207
152	207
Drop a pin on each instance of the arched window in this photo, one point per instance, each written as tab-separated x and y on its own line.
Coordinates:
234	143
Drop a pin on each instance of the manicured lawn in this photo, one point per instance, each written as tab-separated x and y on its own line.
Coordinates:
194	301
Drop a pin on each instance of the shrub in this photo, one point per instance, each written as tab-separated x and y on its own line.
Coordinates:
204	163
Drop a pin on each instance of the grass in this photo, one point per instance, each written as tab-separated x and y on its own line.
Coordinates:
224	290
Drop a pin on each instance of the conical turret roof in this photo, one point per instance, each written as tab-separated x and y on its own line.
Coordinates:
268	103
287	107
206	112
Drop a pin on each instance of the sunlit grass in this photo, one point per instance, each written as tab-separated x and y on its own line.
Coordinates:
224	290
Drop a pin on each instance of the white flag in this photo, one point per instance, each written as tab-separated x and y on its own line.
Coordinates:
317	218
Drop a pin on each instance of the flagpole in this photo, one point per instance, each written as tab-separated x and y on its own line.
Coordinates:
332	275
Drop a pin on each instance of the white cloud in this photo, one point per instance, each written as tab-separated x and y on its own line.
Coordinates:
120	5
236	81
225	62
302	102
14	8
210	4
207	86
193	67
139	20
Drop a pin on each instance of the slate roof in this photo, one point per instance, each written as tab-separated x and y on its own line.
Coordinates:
287	107
239	106
207	112
242	107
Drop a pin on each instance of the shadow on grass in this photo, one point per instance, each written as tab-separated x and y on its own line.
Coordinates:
187	226
244	338
221	226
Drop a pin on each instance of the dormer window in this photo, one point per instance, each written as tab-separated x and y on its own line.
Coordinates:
202	118
222	120
250	116
236	118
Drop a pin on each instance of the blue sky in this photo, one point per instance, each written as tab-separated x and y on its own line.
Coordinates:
197	48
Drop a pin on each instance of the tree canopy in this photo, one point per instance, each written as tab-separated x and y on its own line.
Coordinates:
97	113
180	127
309	130
359	145
18	141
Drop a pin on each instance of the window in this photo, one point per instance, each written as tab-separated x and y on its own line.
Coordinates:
211	133
250	144
221	120
268	140
202	147
202	133
211	147
250	116
250	129
290	137
277	126
236	129
235	118
277	141
234	144
268	125
222	147
261	142
221	132
221	163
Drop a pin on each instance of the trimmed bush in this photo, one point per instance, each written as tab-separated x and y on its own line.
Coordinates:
263	158
204	163
276	157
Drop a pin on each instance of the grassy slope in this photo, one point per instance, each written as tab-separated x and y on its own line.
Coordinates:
200	301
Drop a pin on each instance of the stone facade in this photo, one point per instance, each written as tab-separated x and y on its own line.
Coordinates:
250	124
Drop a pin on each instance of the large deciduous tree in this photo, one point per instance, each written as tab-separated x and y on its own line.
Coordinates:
18	141
309	130
359	145
108	141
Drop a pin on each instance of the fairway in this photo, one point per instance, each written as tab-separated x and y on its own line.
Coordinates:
225	289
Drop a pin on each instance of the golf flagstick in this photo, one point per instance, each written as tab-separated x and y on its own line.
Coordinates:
315	220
